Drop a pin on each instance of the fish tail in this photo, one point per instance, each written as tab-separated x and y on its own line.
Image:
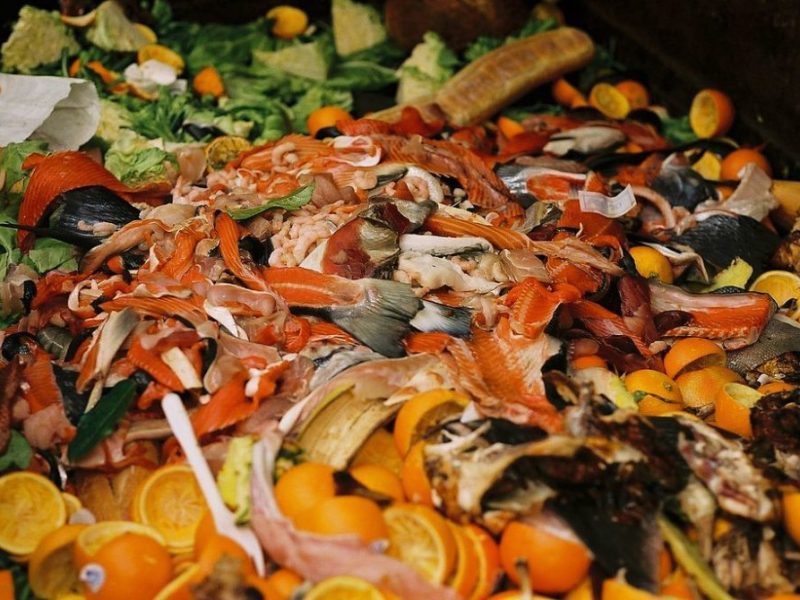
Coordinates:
455	321
382	319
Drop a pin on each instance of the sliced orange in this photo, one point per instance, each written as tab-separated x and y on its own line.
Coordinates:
733	164
416	485
692	353
344	586
379	449
652	406
732	407
161	54
650	381
651	263
73	504
614	589
6	585
422	412
219	546
520	595
345	515
324	117
699	388
420	537
677	586
776	387
609	101
379	479
465	574
303	487
711	113
51	570
509	127
31	506
588	362
180	587
94	537
635	92
583	591
791	515
782	286
555	565
285	582
489	570
171	501
564	92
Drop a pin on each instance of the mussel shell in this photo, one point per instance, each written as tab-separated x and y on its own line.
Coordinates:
327	132
259	251
200	132
79	209
17	343
683	187
721	238
74	403
586	113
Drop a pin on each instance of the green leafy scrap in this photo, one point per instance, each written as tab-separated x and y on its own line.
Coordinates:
102	420
297	199
18	453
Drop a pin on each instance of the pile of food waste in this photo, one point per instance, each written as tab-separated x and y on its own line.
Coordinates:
522	335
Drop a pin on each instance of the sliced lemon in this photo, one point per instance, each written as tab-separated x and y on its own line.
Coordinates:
72	503
148	33
709	166
161	54
171	501
344	587
224	149
31	506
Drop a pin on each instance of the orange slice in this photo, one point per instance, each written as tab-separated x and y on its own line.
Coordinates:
72	503
564	92
422	412
94	537
31	506
379	449
782	286
651	406
344	587
692	353
649	381
709	166
509	127
379	479
171	501
711	113
635	92
776	387
416	484
465	575
180	587
732	407
420	537
345	515
51	571
700	388
791	515
732	165
288	21
614	589
609	101
489	570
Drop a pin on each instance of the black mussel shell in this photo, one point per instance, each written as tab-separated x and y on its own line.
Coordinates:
721	238
83	207
259	251
74	403
201	132
586	113
18	343
683	187
327	132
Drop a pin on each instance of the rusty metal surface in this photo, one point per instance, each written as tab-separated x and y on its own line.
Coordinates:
747	48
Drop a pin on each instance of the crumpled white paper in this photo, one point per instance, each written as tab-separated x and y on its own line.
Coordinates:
612	207
62	111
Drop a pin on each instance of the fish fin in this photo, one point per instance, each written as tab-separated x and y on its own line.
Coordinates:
382	319
452	320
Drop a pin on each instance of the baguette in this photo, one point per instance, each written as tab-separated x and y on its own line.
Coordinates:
504	75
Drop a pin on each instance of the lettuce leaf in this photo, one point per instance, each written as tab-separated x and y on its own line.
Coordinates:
297	199
134	161
101	421
48	254
485	44
360	75
18	453
13	177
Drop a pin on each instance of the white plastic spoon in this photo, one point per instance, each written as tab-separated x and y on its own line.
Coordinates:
181	426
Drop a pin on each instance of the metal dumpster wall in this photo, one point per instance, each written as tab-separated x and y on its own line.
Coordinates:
748	48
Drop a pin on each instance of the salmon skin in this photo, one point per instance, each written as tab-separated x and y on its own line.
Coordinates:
377	313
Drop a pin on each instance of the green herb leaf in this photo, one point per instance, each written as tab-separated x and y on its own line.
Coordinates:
677	130
102	420
18	454
297	199
19	573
